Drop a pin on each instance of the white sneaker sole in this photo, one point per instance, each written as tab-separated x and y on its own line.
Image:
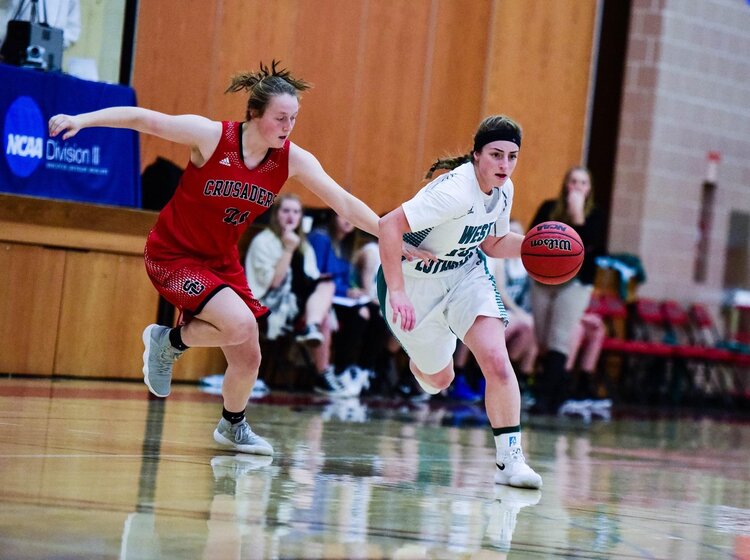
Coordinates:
146	344
252	449
519	481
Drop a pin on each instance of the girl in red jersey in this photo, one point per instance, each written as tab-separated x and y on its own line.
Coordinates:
235	171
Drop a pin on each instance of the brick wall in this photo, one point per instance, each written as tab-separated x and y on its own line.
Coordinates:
687	91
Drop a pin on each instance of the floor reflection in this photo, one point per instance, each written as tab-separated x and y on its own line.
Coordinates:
355	479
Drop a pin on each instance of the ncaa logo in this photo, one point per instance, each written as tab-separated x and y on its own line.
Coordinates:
512	441
23	136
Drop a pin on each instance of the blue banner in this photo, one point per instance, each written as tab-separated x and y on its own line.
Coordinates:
97	165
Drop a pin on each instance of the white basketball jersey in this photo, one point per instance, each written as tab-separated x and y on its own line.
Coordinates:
451	216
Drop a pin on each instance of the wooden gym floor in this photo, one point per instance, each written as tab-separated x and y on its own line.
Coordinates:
94	469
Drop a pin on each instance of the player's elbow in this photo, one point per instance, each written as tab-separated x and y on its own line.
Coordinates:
149	122
383	225
392	222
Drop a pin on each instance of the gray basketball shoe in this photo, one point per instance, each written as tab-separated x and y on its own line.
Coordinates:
240	437
158	357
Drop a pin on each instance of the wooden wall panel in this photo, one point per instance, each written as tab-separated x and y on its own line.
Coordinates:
325	124
388	109
249	32
29	315
397	84
452	105
107	301
539	73
174	65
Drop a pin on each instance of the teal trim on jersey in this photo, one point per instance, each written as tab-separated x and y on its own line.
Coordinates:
382	289
498	299
416	237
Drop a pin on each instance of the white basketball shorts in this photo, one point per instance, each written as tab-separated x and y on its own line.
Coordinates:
445	308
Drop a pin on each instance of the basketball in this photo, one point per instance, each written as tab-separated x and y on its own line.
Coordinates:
552	252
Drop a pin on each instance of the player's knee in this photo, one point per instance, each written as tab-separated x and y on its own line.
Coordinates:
253	360
441	381
496	367
240	329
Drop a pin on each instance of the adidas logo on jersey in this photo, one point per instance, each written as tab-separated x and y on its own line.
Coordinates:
225	161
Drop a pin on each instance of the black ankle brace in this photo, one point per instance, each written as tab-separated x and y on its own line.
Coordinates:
233	417
175	338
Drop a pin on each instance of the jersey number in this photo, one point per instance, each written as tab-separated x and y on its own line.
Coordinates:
235	217
460	253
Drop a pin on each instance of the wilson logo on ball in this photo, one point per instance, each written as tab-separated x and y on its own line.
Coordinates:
561	244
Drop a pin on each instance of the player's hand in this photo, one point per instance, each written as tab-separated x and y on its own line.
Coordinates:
410	252
64	123
402	309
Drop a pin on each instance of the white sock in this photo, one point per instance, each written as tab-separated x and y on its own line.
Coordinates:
505	442
427	388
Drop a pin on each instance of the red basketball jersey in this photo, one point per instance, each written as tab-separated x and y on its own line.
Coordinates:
214	204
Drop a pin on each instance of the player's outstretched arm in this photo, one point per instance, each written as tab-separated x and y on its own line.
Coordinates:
192	130
506	247
393	226
304	166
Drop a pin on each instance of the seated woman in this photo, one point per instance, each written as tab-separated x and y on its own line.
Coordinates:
513	285
585	352
334	249
281	266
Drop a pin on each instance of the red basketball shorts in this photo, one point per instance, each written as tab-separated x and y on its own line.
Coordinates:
189	284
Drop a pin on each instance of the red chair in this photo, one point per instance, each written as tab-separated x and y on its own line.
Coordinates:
630	341
708	334
615	313
710	366
648	328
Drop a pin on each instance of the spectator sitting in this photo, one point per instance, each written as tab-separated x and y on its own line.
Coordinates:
334	249
585	352
468	384
514	287
281	266
558	309
380	356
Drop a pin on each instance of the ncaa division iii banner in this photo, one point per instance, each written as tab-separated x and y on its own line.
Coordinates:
98	165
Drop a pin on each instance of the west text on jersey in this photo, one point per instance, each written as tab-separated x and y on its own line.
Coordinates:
475	234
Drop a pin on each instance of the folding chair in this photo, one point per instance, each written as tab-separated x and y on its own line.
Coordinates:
707	367
630	352
733	356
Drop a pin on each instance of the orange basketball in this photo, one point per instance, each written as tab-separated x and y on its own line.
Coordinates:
552	252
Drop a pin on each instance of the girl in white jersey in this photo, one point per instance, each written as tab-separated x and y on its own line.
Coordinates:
428	305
